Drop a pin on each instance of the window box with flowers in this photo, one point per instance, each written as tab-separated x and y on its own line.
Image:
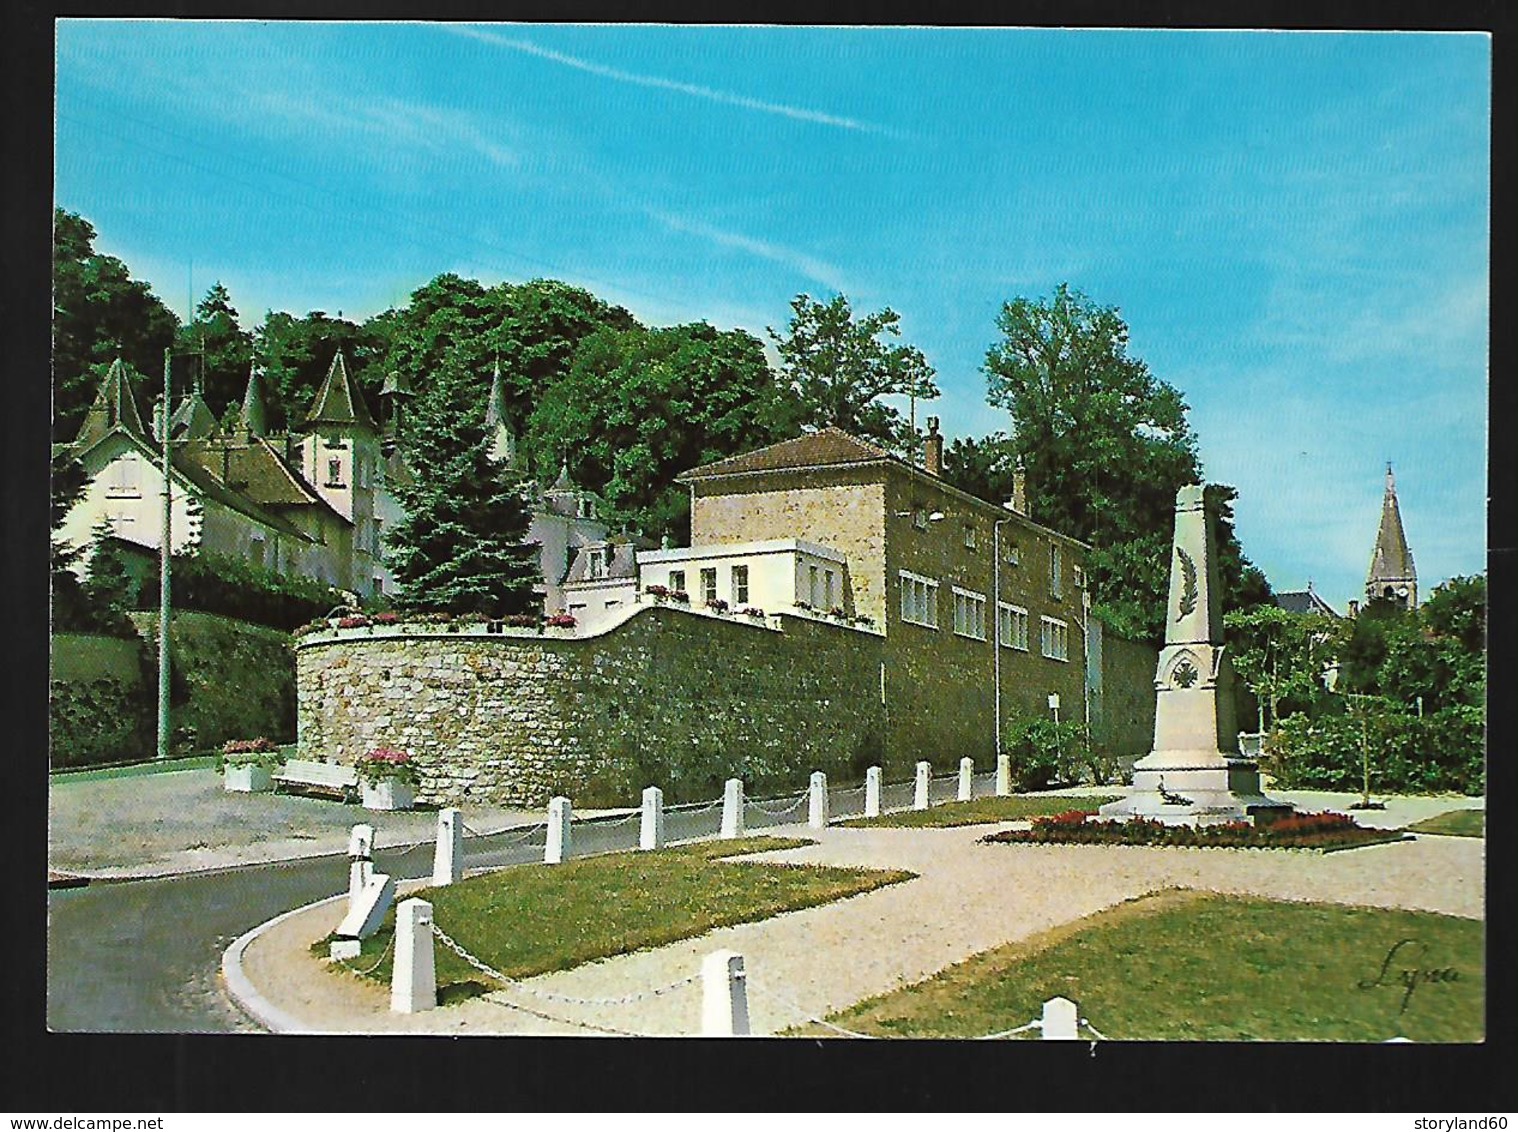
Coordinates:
565	621
717	605
247	765
657	592
388	778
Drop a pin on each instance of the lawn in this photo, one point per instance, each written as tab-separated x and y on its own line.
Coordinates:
529	920
980	811
1455	823
1188	966
133	770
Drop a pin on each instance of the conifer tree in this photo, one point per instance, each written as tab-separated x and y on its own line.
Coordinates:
460	547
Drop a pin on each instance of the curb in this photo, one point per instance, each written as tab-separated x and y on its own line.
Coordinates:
247	997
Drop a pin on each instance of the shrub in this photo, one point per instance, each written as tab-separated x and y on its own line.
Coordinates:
232	587
1043	753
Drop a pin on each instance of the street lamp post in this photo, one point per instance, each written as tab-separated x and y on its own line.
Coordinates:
164	556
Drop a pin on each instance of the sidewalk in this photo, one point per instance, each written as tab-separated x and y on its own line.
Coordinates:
803	965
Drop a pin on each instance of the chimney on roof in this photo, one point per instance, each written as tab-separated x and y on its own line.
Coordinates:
1019	500
932	449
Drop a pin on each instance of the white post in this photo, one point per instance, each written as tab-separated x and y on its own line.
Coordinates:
360	861
732	808
1061	1019
413	978
966	779
872	792
724	997
920	794
817	802
448	856
560	813
1003	775
651	832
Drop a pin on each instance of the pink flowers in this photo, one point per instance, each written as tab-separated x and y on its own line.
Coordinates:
357	621
388	756
561	621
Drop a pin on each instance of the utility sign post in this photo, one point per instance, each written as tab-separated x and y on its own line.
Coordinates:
164	554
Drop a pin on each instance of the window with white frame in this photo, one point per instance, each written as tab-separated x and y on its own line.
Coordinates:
969	614
677	581
971	539
1056	639
708	584
1056	571
919	600
126	477
814	587
595	562
335	472
740	585
830	594
1078	575
1013	630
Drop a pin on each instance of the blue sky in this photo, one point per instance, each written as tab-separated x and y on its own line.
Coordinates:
1294	225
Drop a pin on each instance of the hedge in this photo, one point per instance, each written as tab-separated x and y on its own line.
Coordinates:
1436	754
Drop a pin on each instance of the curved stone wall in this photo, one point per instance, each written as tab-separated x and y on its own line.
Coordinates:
668	698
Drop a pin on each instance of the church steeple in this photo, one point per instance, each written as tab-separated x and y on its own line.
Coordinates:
114	407
1392	576
503	442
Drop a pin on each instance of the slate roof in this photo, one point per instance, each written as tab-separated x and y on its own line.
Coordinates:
338	401
825	448
1304	601
193	419
253	415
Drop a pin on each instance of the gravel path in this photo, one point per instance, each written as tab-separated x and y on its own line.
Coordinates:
968	898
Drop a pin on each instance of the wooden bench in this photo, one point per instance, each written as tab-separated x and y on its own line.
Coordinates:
326	779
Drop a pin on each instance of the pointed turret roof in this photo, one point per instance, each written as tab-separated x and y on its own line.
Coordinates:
193	419
338	401
253	416
114	407
1391	561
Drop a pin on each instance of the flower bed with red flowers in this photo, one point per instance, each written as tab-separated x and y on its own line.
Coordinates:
1295	831
387	618
357	621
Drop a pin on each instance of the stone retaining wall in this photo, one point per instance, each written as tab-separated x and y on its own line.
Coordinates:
669	698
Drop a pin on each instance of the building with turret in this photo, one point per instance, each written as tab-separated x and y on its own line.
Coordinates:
1392	576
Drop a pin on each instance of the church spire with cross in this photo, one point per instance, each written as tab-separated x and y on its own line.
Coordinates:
1392	576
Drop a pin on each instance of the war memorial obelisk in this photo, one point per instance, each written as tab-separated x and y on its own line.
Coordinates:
1194	774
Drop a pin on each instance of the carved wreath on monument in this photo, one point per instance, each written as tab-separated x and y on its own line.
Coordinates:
1184	675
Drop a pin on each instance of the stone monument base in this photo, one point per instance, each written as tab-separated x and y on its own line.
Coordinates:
1195	788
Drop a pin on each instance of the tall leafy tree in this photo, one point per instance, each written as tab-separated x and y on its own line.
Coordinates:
640	406
1105	445
840	365
460	547
223	349
99	313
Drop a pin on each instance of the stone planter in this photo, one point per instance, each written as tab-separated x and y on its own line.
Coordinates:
251	778
389	794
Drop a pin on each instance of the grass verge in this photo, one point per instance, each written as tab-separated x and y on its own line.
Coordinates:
1455	823
1188	966
980	811
530	920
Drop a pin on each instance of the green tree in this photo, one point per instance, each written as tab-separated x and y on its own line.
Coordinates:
839	367
460	547
1283	657
1105	445
982	467
222	348
69	606
99	313
640	406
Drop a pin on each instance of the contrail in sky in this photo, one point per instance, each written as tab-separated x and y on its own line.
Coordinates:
797	112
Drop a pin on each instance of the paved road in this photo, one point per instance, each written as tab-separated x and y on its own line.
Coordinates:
144	956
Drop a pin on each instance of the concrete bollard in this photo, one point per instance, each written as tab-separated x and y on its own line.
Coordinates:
360	862
732	808
1003	776
413	976
817	801
651	832
966	779
364	917
448	856
1061	1020
560	814
920	793
872	792
724	996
